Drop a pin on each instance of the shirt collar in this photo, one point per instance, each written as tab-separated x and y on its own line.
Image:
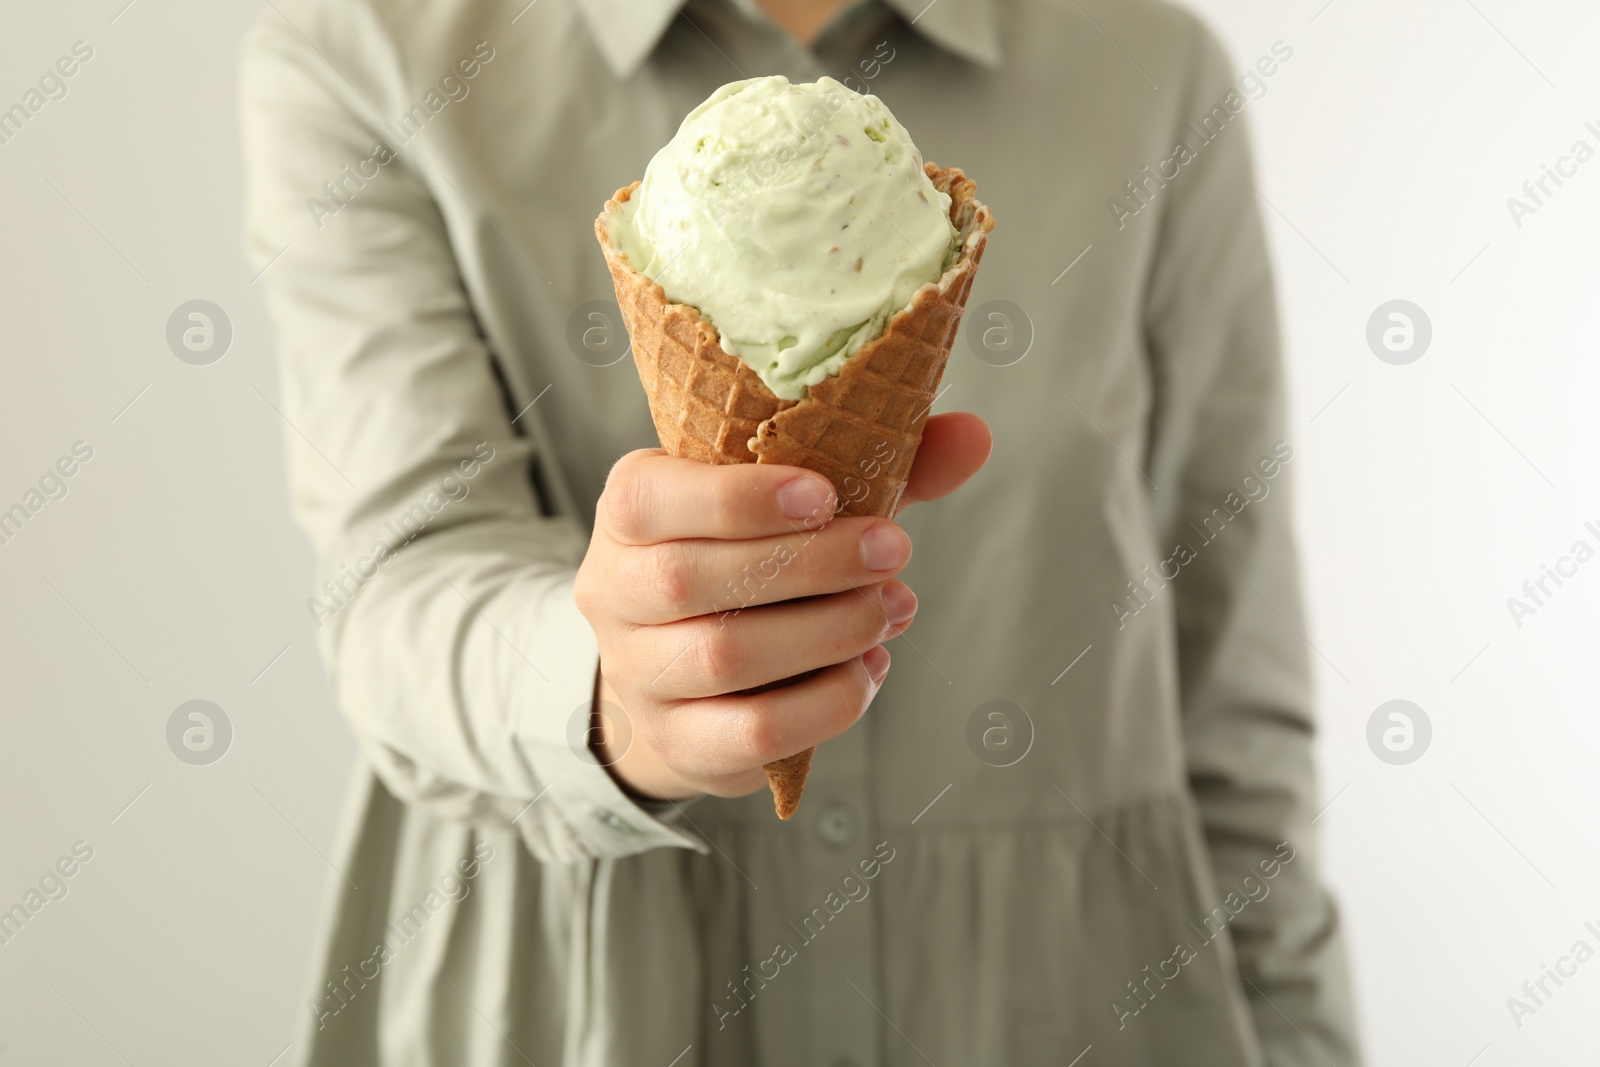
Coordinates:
969	28
626	31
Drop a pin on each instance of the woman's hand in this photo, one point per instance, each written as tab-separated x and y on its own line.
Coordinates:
704	581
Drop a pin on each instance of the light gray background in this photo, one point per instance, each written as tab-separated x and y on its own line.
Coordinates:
1388	145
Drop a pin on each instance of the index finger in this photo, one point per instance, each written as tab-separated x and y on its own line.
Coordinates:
651	497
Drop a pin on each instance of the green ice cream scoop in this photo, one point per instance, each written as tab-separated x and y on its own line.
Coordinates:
796	217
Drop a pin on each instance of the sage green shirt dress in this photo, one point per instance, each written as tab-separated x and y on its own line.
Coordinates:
1075	825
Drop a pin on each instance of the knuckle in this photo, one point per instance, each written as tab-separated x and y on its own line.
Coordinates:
664	742
668	577
717	655
764	738
808	559
583	592
767	731
846	701
623	501
830	557
589	591
843	625
867	627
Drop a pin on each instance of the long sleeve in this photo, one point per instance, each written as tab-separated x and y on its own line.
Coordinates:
444	605
1222	457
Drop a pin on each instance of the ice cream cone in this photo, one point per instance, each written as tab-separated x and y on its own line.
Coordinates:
860	428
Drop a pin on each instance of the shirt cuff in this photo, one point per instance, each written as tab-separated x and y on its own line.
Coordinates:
582	812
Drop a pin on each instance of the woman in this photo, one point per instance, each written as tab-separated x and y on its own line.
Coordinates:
1074	822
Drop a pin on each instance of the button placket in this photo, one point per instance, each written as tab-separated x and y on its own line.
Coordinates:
838	825
845	1025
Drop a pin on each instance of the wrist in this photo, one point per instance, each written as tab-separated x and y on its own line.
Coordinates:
630	760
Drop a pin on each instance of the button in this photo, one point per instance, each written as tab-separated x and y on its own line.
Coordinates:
616	822
838	825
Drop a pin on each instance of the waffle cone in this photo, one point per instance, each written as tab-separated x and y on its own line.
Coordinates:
860	428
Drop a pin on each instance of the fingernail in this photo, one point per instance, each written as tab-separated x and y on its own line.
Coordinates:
885	547
899	603
876	660
806	498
